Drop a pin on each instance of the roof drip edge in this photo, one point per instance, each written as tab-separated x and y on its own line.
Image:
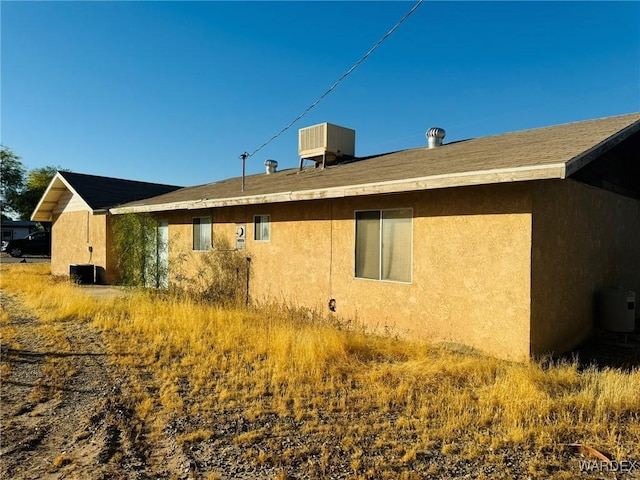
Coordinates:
482	177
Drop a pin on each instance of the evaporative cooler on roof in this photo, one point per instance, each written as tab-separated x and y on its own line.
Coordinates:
326	143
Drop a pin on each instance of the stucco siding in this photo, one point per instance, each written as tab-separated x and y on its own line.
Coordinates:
471	263
279	267
72	235
471	269
584	239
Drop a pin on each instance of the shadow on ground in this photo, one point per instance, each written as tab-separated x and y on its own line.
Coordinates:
609	350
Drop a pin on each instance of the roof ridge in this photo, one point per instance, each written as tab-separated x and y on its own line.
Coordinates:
88	175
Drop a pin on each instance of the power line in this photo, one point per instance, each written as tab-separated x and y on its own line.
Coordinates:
335	84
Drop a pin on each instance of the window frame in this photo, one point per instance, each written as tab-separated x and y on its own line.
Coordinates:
255	230
193	236
380	212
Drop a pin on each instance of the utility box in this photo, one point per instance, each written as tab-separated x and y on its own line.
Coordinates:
83	274
617	310
326	143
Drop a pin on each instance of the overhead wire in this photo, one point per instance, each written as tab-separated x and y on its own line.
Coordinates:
337	82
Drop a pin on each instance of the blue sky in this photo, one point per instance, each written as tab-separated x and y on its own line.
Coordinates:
174	92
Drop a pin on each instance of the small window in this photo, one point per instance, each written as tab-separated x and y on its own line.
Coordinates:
261	228
202	234
384	245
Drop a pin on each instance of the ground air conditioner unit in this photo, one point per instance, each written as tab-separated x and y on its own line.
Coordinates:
617	309
326	143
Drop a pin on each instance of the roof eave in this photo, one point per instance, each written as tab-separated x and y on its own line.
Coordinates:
462	179
596	151
41	214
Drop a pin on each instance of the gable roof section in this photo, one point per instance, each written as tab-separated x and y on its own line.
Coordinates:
96	193
543	153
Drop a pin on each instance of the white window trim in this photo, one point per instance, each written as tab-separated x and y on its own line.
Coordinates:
380	279
254	227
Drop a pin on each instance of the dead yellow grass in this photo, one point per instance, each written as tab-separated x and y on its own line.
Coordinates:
8	337
55	370
60	461
8	333
201	360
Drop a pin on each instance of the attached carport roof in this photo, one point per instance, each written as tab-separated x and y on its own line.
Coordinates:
543	153
97	193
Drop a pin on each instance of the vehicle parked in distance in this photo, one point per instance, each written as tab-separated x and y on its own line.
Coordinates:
36	243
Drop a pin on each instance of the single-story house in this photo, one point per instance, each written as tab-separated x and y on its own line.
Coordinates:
499	243
78	207
13	229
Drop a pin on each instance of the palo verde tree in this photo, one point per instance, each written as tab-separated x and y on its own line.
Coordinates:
135	248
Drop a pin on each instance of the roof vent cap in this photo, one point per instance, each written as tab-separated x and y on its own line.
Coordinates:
271	166
435	136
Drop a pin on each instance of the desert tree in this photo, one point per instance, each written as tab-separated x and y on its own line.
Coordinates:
12	177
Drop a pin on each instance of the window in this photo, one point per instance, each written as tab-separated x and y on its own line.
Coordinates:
261	228
384	244
202	233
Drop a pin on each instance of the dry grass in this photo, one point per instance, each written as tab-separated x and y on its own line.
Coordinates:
8	332
8	339
361	394
59	462
55	369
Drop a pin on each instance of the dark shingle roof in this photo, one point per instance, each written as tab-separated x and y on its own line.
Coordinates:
99	193
104	192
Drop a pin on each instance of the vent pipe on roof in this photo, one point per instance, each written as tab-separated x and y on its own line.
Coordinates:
271	166
435	136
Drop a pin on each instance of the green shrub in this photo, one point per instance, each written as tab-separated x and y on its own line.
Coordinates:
135	249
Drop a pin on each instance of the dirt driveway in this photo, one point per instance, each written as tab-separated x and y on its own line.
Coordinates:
63	410
6	258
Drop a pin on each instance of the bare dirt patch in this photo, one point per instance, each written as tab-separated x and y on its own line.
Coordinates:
64	413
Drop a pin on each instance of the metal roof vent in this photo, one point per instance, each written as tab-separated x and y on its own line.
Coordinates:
271	166
435	136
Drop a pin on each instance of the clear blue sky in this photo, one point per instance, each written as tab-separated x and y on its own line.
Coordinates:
174	92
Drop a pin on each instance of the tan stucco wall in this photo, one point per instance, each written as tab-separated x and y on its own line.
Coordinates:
584	239
471	256
72	235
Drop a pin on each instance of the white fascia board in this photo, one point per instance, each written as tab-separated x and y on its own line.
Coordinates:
481	177
607	144
47	215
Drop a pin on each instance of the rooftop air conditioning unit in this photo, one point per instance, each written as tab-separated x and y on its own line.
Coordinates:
326	143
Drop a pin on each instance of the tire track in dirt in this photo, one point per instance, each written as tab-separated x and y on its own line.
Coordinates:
79	426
